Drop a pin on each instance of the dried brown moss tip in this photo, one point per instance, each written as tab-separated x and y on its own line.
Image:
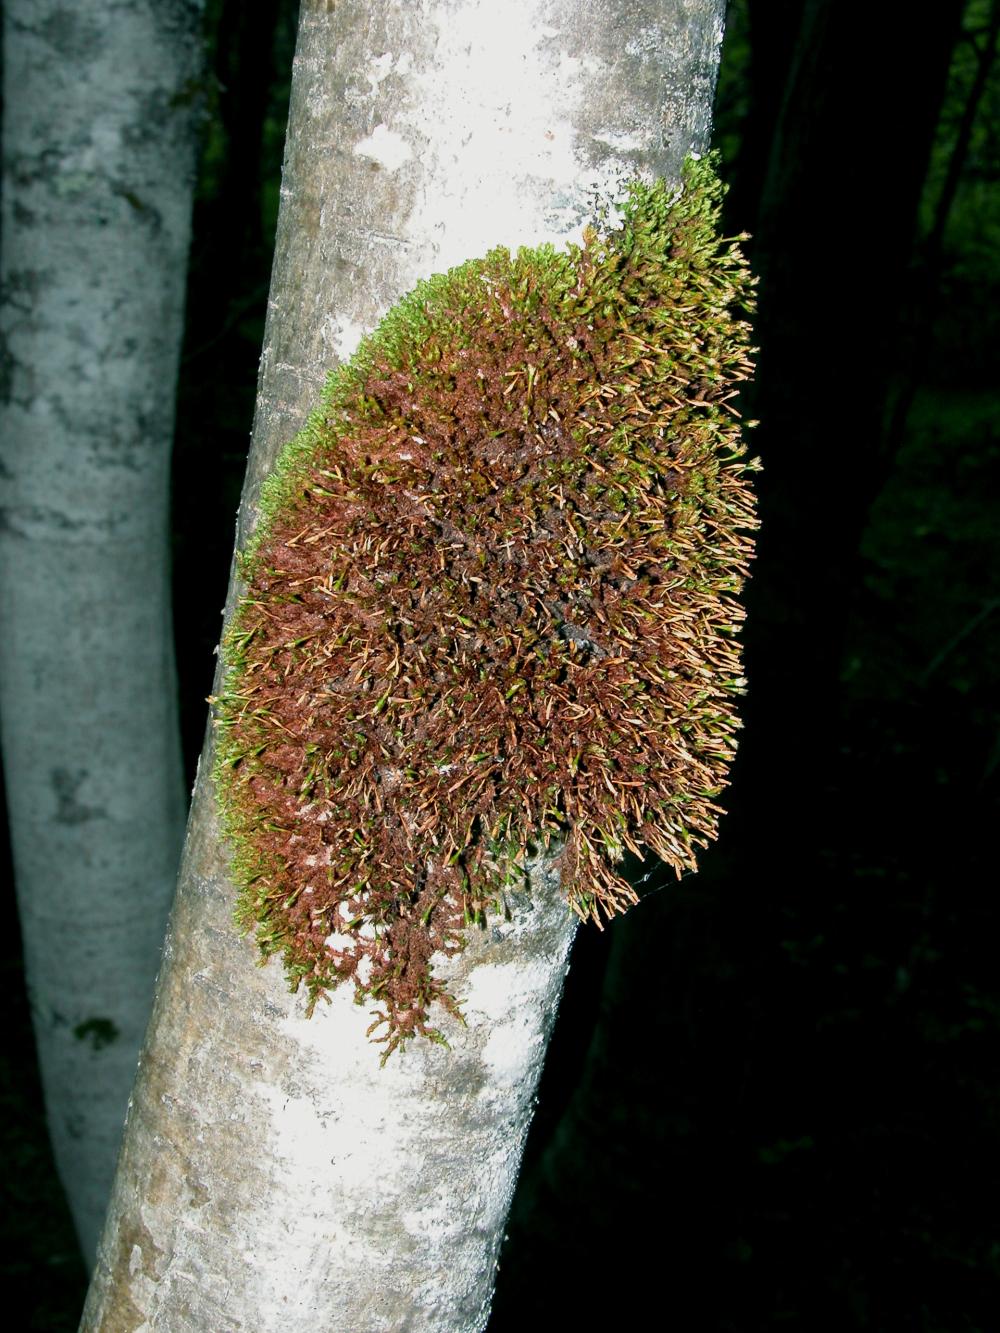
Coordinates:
490	603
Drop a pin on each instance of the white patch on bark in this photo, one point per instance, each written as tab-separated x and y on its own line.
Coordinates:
626	142
378	68
345	336
386	147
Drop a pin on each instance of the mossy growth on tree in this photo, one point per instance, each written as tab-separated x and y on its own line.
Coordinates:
490	604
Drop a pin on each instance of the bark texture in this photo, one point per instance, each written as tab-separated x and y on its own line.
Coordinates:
99	151
272	1175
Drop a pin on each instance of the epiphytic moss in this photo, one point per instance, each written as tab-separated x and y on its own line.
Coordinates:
490	603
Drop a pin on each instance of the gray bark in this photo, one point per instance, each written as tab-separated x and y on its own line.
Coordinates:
99	145
272	1175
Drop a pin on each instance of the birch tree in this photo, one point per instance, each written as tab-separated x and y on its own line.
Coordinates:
99	145
272	1173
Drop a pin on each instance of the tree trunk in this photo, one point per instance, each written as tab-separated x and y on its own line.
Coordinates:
99	144
272	1173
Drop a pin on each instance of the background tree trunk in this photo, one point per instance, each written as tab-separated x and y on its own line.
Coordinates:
99	151
271	1173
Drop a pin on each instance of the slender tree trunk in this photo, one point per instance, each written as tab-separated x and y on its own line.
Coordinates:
98	170
272	1174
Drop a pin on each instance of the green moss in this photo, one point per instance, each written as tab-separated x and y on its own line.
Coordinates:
489	604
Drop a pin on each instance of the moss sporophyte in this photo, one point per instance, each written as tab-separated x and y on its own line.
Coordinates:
490	604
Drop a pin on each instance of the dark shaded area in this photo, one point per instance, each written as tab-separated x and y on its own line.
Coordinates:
772	1100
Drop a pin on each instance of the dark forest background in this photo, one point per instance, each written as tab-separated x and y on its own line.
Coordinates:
773	1096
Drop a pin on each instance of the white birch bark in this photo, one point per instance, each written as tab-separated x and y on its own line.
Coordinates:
99	149
272	1175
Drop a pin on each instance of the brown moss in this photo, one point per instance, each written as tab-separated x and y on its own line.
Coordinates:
491	604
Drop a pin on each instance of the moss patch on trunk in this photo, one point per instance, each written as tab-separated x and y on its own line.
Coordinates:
490	604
